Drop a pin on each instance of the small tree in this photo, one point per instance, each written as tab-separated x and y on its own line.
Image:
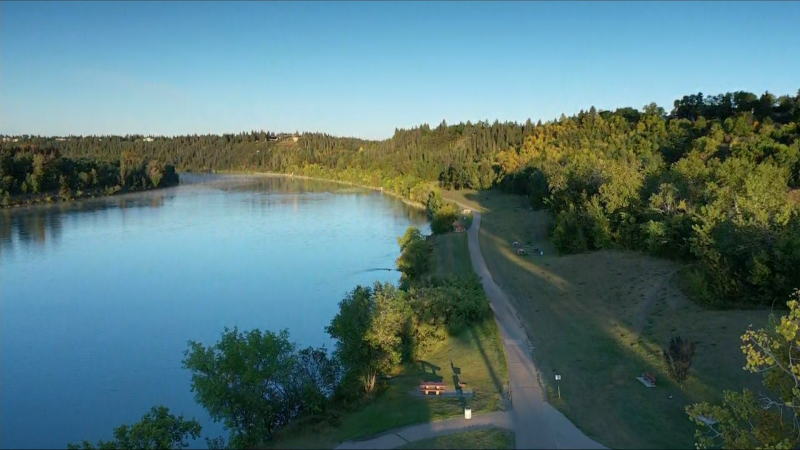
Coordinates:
679	357
442	221
64	191
155	171
368	330
245	381
415	257
412	234
315	379
158	429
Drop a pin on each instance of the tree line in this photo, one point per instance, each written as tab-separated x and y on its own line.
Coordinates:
260	385
714	182
29	174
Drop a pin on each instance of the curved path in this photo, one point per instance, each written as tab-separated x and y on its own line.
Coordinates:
536	424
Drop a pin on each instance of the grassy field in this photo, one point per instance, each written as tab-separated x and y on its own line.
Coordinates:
600	318
477	353
479	439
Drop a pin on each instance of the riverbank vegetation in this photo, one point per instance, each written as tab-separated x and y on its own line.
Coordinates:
29	174
157	429
434	326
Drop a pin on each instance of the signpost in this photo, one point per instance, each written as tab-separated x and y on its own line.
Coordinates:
558	382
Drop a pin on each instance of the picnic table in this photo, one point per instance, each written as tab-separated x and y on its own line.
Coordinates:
432	386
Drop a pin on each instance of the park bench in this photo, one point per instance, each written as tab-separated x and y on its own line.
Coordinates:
432	386
647	379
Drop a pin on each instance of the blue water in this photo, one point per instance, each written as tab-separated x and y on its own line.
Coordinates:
98	298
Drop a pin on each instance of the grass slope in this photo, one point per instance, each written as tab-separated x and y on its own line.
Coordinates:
477	353
600	318
478	439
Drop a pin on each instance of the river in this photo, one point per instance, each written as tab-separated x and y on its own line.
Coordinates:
99	297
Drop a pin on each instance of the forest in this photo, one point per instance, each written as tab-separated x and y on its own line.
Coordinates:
712	183
29	174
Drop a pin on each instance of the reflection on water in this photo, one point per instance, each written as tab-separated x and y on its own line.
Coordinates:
40	224
34	225
100	296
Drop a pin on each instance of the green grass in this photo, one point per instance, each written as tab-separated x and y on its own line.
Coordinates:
451	254
477	352
479	439
600	318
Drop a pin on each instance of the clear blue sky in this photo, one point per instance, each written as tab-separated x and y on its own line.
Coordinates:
362	69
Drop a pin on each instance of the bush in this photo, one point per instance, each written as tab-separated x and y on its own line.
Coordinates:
415	258
568	233
256	382
157	429
679	355
451	303
443	219
368	330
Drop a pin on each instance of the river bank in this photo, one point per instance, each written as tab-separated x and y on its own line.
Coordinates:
50	198
304	177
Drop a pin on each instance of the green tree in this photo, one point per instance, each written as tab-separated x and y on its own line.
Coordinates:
158	429
368	331
155	171
412	234
415	257
245	381
434	202
38	174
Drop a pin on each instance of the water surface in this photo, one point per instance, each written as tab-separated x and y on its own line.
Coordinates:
98	298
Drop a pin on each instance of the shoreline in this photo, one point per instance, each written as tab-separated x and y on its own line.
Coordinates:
304	177
55	199
52	198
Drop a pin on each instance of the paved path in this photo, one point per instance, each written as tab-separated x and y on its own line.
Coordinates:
536	423
402	436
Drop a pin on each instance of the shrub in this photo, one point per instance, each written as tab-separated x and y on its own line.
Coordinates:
452	303
679	355
415	258
443	219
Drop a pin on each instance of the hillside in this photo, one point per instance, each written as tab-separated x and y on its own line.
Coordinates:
601	318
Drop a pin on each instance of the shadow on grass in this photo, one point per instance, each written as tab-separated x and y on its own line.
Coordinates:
424	366
492	373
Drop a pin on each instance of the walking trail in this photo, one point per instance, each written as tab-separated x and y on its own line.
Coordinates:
536	423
